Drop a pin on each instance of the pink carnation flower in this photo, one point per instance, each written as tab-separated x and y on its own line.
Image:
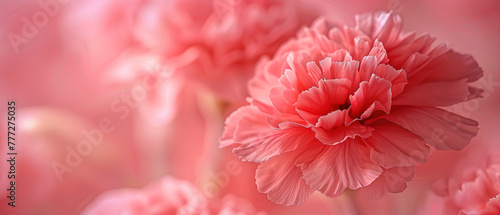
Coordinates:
351	107
473	190
482	194
169	196
224	37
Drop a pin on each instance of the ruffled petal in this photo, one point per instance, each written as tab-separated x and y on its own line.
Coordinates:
341	166
379	51
314	71
346	69
439	128
331	130
392	180
434	94
396	77
452	66
278	100
385	26
376	93
227	138
267	73
258	141
339	55
298	75
394	146
367	67
282	181
319	101
443	81
492	206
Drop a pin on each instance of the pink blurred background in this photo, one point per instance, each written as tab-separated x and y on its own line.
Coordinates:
151	73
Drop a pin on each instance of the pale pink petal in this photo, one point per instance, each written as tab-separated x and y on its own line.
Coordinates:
394	146
354	41
258	141
231	123
277	96
267	73
277	119
282	181
414	54
298	75
442	82
434	94
264	107
307	154
452	66
289	93
404	50
392	180
260	145
340	167
410	62
381	25
440	129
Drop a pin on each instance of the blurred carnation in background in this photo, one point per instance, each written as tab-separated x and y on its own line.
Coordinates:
120	105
